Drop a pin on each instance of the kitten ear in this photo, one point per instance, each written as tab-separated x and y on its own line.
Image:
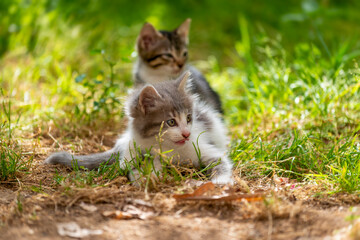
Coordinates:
148	99
183	30
148	36
183	80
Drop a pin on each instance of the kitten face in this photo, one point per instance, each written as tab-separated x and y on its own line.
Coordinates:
164	103
178	128
164	51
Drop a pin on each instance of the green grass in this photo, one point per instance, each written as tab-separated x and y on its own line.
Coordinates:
11	162
288	78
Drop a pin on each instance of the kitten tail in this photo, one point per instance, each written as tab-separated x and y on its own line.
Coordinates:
88	161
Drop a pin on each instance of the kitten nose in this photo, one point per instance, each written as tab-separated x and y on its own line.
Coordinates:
185	134
180	65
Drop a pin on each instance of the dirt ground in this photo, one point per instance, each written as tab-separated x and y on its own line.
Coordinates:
273	208
120	211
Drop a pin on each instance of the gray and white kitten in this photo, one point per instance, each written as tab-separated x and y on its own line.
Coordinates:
185	119
163	55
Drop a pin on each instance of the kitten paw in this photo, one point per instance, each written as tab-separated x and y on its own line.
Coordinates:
222	180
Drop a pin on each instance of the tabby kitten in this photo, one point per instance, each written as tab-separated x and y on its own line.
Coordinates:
185	120
163	56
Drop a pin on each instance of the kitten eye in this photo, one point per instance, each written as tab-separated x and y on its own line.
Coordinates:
168	55
188	118
171	122
185	54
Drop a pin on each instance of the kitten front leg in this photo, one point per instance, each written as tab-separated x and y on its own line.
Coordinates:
222	172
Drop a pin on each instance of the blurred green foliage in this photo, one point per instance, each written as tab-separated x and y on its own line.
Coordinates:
39	25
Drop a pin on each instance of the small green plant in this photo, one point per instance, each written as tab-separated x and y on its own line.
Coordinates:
101	95
141	167
111	171
11	161
198	151
58	178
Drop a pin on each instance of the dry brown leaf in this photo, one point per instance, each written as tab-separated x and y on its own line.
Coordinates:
198	192
198	195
